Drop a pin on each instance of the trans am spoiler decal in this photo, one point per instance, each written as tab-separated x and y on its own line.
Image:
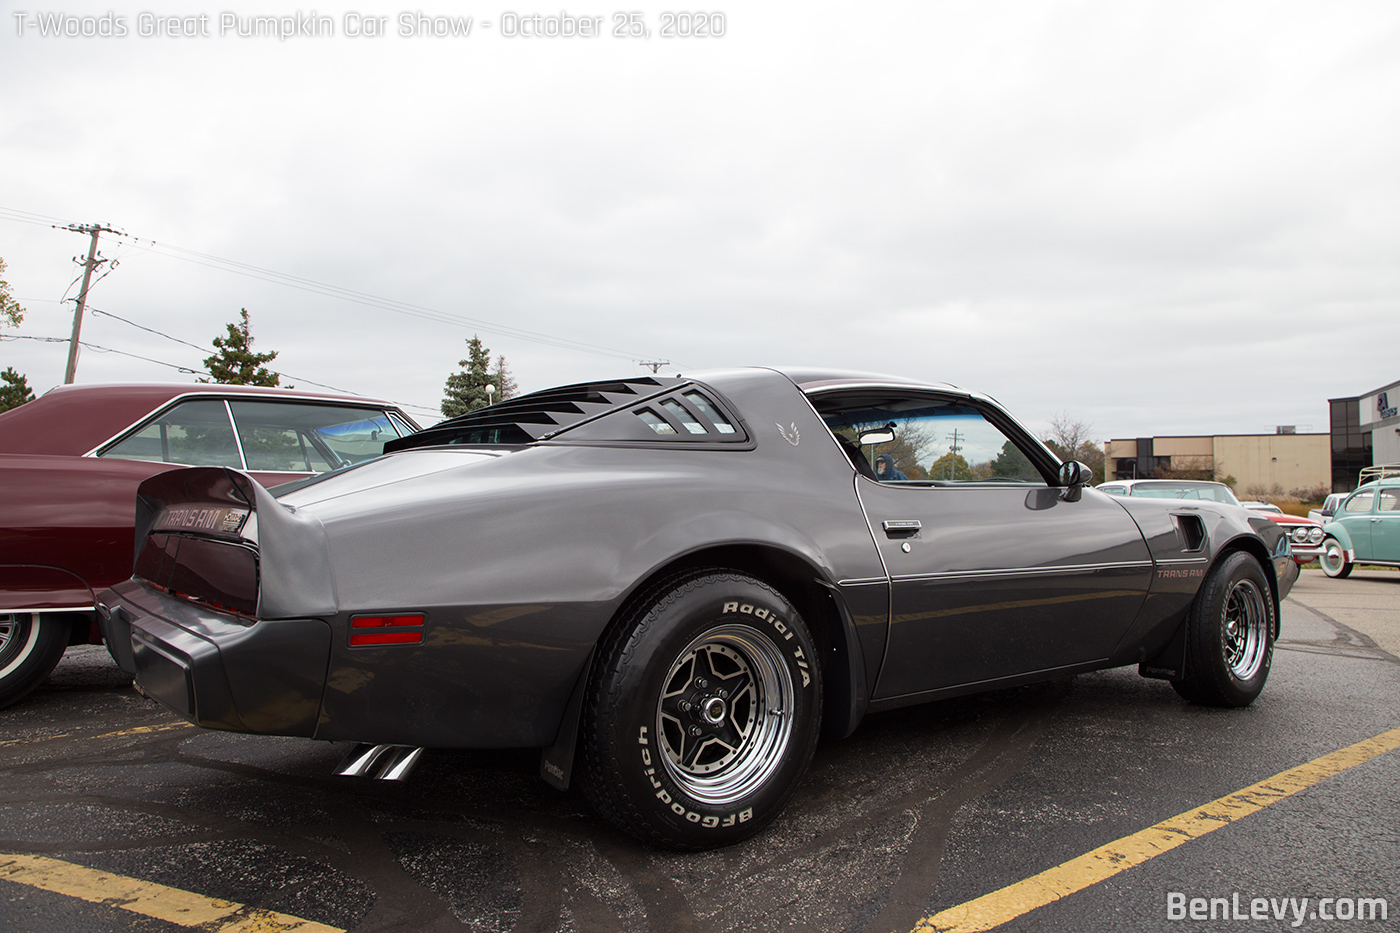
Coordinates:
226	506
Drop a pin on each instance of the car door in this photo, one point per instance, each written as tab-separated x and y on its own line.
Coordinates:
1355	517
1385	525
993	571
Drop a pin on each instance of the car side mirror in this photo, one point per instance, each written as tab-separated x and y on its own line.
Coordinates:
1074	476
878	435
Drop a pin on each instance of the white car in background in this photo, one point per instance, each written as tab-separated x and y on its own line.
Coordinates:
1329	508
1170	489
1304	534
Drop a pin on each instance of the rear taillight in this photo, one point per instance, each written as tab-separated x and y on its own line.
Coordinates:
386	630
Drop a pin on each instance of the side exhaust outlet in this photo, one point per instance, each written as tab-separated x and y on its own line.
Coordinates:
381	762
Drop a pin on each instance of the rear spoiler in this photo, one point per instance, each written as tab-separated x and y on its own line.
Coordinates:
224	504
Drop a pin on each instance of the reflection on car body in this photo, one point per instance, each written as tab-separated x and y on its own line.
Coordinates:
674	586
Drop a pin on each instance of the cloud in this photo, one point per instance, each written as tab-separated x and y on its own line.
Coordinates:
1160	218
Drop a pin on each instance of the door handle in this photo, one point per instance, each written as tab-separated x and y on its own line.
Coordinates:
1374	520
902	528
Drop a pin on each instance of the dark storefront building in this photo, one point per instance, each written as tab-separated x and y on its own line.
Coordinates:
1351	447
1365	432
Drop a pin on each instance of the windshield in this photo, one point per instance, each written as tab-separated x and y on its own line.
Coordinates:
1214	492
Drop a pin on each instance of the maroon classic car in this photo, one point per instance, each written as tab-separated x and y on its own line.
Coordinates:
70	463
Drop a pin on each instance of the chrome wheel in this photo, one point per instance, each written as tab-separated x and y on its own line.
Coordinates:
1229	634
15	633
724	717
30	645
1245	629
704	708
1333	559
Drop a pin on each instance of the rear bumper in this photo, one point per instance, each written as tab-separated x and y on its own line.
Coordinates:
216	670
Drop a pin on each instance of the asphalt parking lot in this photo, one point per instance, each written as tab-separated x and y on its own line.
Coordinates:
922	810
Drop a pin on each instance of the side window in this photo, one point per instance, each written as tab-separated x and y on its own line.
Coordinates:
1361	502
936	442
288	437
1390	501
1113	490
195	433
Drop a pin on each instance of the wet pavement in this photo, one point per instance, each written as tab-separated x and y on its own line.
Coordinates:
921	809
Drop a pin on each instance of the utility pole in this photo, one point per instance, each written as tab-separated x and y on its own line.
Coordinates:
953	460
654	364
92	263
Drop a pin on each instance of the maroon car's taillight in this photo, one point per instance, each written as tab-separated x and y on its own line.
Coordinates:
386	630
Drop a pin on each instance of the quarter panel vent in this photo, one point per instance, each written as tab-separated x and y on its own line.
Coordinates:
1190	531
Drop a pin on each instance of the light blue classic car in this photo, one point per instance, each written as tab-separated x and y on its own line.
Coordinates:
1366	526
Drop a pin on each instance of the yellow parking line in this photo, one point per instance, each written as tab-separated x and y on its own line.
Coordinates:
149	899
994	909
143	730
138	730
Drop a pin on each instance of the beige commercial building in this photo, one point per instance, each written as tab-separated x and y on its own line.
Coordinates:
1277	464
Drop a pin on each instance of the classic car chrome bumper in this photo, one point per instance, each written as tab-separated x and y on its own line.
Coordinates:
216	670
1306	555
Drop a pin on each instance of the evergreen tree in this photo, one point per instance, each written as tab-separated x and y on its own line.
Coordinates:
1013	464
506	386
466	390
235	363
10	311
14	390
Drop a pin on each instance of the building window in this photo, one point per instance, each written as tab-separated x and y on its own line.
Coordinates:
1351	447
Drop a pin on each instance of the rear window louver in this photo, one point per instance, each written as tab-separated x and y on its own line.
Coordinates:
688	415
538	415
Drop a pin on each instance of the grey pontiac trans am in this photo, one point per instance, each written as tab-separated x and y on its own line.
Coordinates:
675	586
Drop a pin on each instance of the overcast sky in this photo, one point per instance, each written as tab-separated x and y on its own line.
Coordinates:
1159	218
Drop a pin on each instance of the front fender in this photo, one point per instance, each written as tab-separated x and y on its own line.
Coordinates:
1338	530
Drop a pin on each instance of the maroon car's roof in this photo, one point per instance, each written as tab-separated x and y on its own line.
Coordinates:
74	419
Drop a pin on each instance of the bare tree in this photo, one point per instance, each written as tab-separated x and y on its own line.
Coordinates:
1069	433
1070	439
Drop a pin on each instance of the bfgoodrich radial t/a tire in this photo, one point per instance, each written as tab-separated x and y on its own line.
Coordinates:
1229	635
30	646
703	711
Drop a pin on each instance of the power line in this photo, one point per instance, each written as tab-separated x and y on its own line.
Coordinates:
196	346
345	294
25	217
186	369
150	330
385	304
101	349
